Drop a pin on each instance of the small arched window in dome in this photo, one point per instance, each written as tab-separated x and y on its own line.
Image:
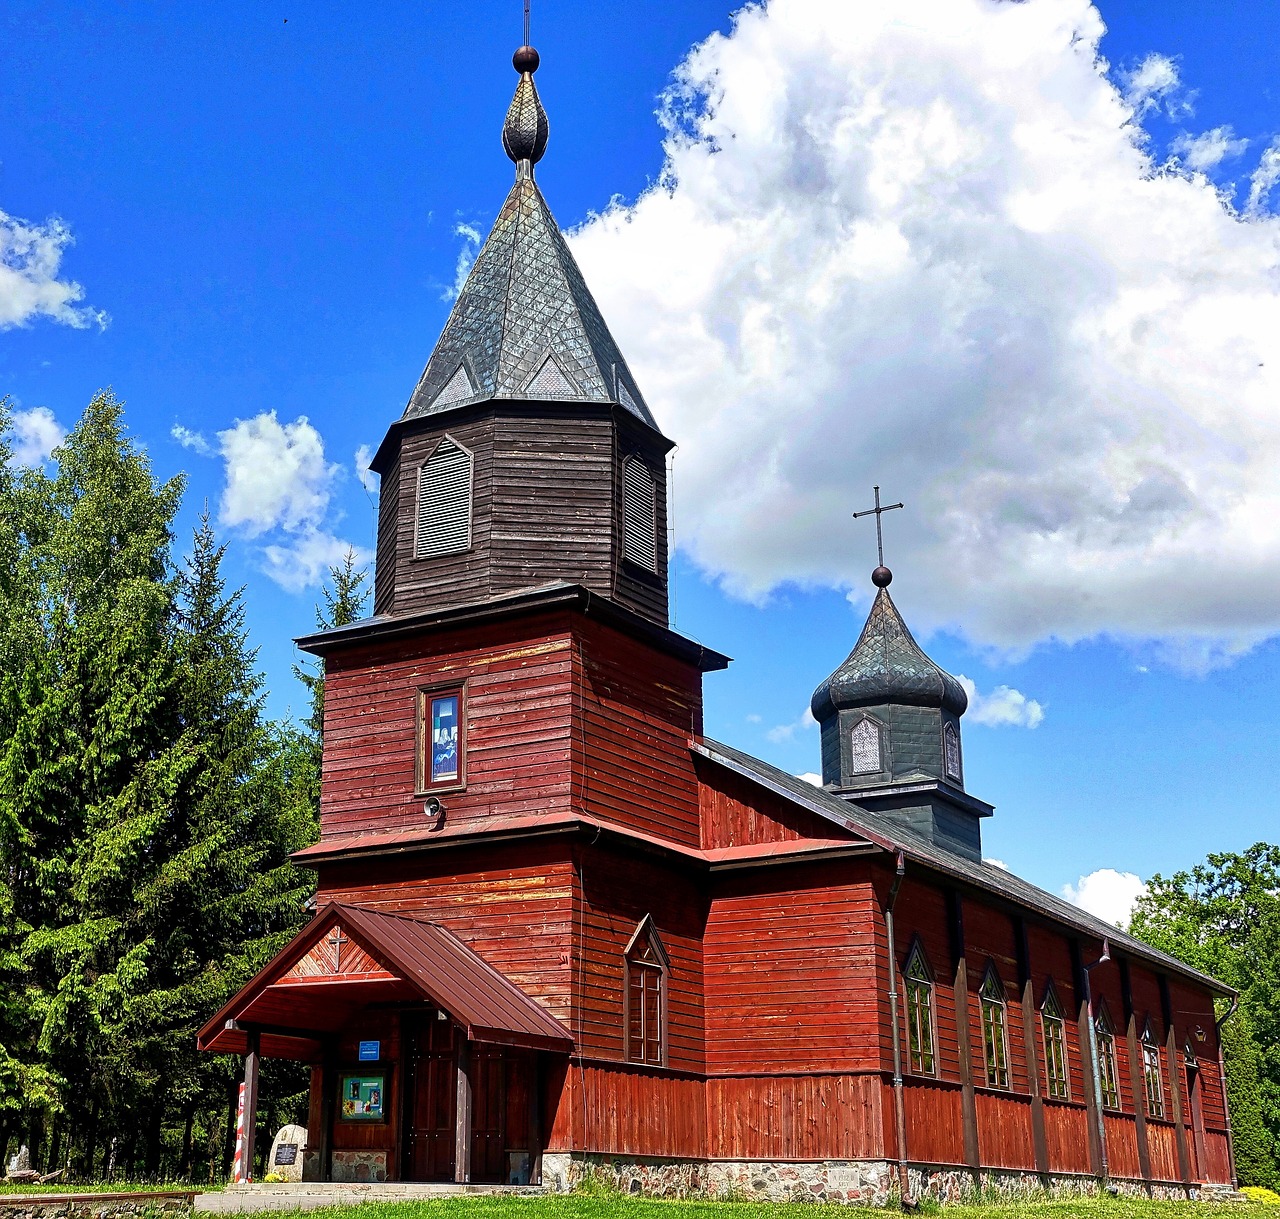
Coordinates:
865	748
639	515
951	752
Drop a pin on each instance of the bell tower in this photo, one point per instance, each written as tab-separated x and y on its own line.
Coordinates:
526	454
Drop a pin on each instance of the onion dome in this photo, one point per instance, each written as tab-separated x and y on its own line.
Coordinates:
524	134
887	666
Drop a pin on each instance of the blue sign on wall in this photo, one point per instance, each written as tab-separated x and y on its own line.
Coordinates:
370	1051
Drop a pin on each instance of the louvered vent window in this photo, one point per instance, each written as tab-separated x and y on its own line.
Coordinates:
864	748
444	502
639	515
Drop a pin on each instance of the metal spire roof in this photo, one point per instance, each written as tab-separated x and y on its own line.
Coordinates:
887	666
525	324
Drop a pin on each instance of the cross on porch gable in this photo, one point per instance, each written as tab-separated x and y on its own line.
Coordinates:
336	941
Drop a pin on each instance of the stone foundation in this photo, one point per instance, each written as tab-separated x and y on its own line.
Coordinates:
861	1182
80	1206
358	1166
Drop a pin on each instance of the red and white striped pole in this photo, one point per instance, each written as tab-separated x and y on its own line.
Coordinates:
238	1174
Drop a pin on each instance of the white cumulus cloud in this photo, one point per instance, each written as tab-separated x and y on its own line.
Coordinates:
34	434
192	440
1004	707
1206	151
810	777
1263	180
277	475
1108	894
279	484
924	244
30	266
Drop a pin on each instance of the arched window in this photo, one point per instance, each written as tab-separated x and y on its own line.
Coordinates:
1151	1076
917	980
1053	1028
995	1041
646	966
951	751
443	523
639	515
1108	1075
865	748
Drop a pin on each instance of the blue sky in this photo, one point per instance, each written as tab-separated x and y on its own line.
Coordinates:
269	206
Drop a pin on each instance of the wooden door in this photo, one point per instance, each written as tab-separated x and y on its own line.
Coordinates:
1199	1161
431	1099
488	1113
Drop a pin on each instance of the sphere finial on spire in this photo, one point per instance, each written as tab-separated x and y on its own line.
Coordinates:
524	134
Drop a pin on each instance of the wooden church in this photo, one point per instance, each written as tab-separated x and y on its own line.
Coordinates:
560	932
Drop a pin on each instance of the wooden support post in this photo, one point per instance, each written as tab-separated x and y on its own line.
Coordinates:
1084	1026
535	1118
1137	1072
964	1034
462	1125
251	1065
328	1106
1175	1083
1031	1044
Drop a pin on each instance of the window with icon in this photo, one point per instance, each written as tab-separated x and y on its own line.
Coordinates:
441	739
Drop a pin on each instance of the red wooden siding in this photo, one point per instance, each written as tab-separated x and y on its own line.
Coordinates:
511	904
737	813
1004	1130
615	892
791	978
637	710
921	910
382	1026
624	1110
795	1117
1067	1134
519	703
935	1122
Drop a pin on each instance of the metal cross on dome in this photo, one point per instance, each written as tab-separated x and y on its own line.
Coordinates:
878	511
336	941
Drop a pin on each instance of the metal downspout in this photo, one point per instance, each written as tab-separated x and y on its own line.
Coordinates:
1093	1055
1222	1076
899	1105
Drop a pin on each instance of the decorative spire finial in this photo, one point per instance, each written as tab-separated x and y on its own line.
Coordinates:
882	576
524	134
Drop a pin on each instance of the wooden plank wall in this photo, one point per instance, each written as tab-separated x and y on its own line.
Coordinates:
519	712
791	971
512	904
545	506
624	1110
795	1117
734	812
615	891
637	710
1004	1126
405	585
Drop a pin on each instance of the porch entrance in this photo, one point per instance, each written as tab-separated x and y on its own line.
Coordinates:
446	1076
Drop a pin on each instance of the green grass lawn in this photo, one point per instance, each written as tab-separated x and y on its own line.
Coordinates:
577	1206
114	1187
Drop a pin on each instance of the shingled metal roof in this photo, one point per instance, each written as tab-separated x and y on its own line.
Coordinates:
525	324
887	666
894	836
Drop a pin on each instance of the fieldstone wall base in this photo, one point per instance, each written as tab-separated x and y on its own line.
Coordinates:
358	1166
79	1208
861	1182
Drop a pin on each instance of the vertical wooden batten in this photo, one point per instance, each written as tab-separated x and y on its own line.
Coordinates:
1137	1072
1175	1081
964	1037
1030	1045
